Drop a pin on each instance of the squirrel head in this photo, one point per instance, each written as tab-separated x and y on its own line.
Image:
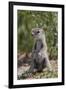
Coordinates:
37	33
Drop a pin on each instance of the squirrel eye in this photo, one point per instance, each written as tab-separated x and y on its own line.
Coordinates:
37	31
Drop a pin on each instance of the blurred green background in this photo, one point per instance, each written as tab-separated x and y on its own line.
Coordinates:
27	20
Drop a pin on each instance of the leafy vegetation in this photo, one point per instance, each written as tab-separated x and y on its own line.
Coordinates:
39	75
41	19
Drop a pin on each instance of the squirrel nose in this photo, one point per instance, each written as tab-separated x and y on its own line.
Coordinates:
32	33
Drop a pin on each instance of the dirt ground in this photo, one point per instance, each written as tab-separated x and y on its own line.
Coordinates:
24	65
